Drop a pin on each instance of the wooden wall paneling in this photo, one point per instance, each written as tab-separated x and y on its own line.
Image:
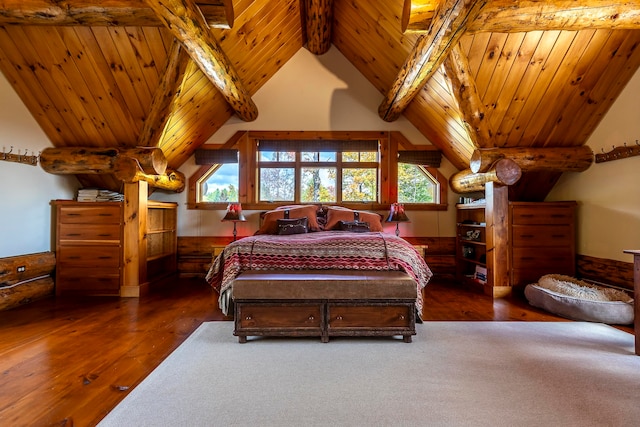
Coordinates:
24	83
526	91
502	99
605	271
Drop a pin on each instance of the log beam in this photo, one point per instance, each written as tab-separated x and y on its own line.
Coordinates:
164	97
25	278
447	26
504	171
318	20
561	159
466	93
509	16
88	160
134	13
186	23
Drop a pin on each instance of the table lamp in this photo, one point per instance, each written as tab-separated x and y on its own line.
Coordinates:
397	215
234	214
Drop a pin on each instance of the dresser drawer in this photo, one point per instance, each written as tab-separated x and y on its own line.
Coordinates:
548	258
279	315
368	316
90	214
522	215
88	281
88	256
542	235
89	232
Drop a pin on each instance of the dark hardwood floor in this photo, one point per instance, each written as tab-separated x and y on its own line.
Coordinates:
68	361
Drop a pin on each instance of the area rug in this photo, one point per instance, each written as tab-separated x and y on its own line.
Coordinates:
453	374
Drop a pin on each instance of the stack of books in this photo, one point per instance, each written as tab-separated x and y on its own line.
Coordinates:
97	195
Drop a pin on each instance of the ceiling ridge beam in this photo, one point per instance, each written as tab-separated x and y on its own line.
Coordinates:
186	23
134	13
448	25
318	18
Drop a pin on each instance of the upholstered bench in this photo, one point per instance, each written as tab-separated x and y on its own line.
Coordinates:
324	303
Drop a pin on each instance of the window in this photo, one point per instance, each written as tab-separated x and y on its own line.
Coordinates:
354	171
319	174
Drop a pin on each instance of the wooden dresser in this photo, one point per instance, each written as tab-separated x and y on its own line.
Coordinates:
88	247
542	237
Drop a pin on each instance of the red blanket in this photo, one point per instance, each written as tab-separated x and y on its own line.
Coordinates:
317	251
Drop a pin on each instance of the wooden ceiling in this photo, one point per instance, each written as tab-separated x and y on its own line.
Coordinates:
468	74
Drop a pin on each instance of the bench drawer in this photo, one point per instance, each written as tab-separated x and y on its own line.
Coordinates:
343	316
299	316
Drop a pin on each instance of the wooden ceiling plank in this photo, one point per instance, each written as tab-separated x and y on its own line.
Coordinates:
26	84
523	94
165	97
48	75
466	93
187	24
104	47
218	14
493	62
503	99
133	65
448	25
99	72
318	22
541	94
621	63
572	84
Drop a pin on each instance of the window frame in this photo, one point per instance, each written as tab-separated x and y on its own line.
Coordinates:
247	144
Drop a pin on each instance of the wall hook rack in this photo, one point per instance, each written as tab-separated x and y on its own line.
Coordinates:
620	152
19	158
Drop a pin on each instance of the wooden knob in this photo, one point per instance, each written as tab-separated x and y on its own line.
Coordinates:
311	317
338	317
402	317
247	318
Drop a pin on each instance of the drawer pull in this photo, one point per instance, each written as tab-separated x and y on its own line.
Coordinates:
248	318
402	317
338	317
311	317
104	235
73	234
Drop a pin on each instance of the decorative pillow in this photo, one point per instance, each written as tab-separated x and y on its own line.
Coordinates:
337	214
354	226
270	218
578	300
292	226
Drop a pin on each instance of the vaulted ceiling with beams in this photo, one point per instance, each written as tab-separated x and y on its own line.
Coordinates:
466	73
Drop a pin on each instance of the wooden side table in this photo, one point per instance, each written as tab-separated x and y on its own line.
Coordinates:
636	296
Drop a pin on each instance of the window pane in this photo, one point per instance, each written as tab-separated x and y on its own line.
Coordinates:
350	156
276	156
327	157
307	156
221	185
318	185
277	184
359	185
286	156
368	156
415	185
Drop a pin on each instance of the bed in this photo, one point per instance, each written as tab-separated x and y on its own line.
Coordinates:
325	246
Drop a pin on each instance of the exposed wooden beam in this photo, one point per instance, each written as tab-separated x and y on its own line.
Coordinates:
128	170
185	21
447	26
165	96
318	21
136	13
512	16
503	172
466	93
559	159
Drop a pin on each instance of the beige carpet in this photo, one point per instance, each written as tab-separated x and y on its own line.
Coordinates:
453	374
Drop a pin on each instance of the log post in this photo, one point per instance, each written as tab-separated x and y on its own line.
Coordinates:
562	159
505	172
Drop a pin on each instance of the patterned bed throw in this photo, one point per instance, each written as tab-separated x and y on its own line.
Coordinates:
316	251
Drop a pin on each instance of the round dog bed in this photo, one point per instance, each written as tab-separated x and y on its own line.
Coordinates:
578	300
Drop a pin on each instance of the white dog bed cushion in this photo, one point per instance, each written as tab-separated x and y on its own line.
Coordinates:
578	300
